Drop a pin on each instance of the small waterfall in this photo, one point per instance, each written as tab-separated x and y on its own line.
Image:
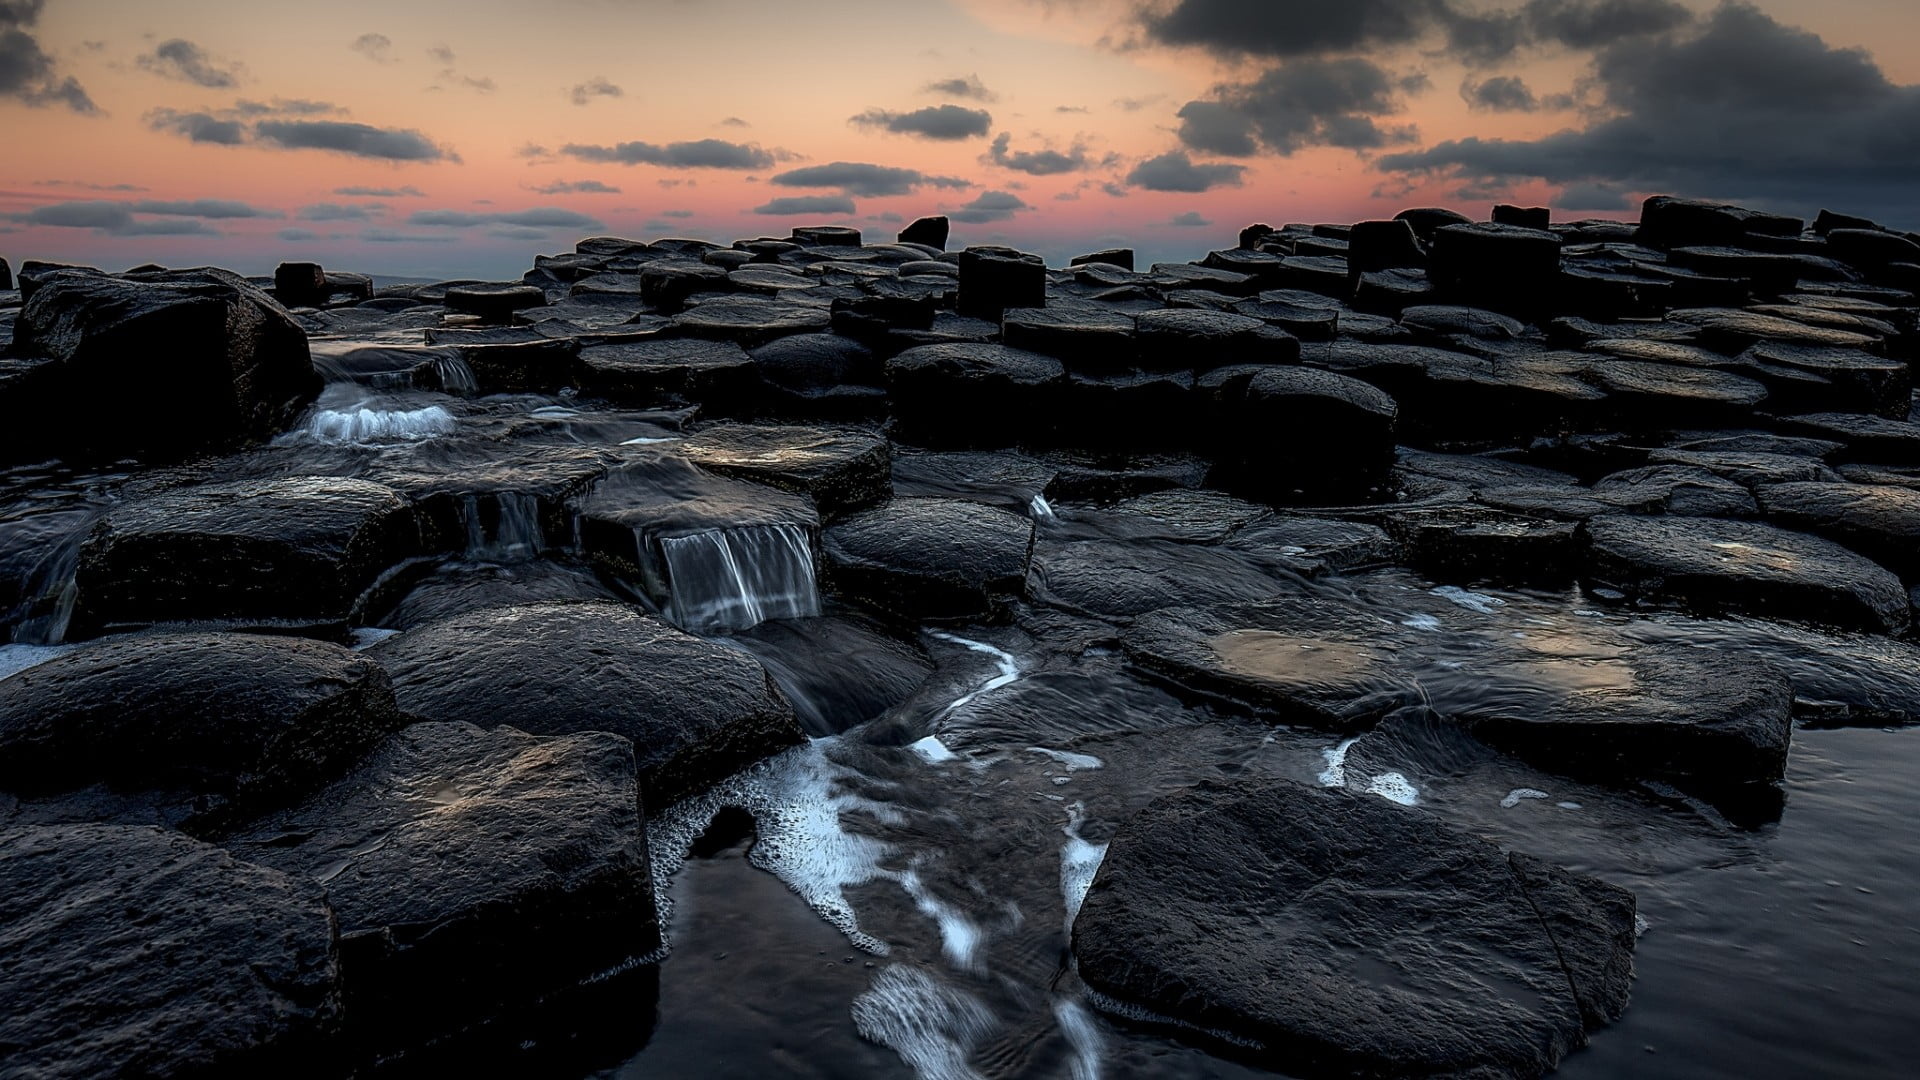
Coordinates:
50	594
363	424
735	579
455	376
516	532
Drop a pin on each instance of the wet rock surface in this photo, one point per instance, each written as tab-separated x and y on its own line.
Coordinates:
1334	934
912	578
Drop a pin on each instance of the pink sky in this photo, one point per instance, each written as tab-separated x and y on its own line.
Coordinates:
452	97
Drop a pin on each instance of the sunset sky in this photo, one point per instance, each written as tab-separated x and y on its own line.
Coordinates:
439	138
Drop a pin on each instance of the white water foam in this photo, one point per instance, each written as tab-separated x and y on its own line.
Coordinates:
1079	862
367	425
1040	509
1074	762
1335	774
932	1026
735	579
1421	621
1083	1034
960	939
1394	787
1472	601
796	804
1007	668
365	637
1513	797
933	750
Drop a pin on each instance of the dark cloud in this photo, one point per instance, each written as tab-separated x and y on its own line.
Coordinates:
1293	27
381	192
1502	93
181	59
295	236
112	219
1174	171
87	185
1136	104
596	87
969	87
1743	107
807	204
375	47
482	83
1594	24
676	213
1036	162
990	206
27	73
354	139
284	107
577	187
1071	109
948	122
340	212
539	217
518	232
1189	220
1308	102
860	179
699	154
198	127
203	208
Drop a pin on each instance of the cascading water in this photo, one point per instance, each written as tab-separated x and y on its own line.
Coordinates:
363	423
455	376
735	579
516	532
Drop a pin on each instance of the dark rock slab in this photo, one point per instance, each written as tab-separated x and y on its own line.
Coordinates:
749	320
1310	546
133	951
459	587
1851	379
471	870
973	394
1675	489
1198	340
838	670
1428	220
1878	521
696	712
1863	438
1335	934
841	470
1748	467
297	551
668	284
1739	566
167	363
993	279
1195	517
494	301
926	558
1502	267
1119	580
1295	432
931	231
1294	660
718	373
1086	337
230	722
1477	543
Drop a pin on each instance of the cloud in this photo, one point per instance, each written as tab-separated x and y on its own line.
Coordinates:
295	236
181	59
88	186
576	187
482	83
967	86
946	122
676	213
409	191
203	208
388	236
538	217
340	212
1135	104
596	87
117	219
990	206
1740	107
353	139
1308	102
375	47
699	154
1036	162
1592	197
857	178
1595	24
1502	93
27	73
1174	171
1189	220
734	121
807	204
198	127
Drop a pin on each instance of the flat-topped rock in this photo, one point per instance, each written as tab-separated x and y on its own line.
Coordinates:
841	470
920	557
1881	522
298	551
222	723
1280	919
647	372
494	301
1084	337
1202	340
749	320
973	394
135	951
1294	432
471	870
1118	580
1740	566
1294	660
696	712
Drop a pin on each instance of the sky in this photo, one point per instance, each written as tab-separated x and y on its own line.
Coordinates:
436	138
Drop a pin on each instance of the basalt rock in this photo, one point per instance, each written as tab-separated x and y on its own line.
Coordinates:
923	558
973	394
993	279
931	231
841	471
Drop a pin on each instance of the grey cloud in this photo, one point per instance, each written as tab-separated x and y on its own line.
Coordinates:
440	53
355	139
1593	24
699	154
539	217
945	122
381	192
1189	220
295	236
577	187
284	107
198	127
807	204
1502	93
88	186
112	219
990	206
734	121
203	208
1036	162
1308	102
1174	171
340	212
517	232
596	87
1592	197
27	73
1299	28
968	86
676	213
858	178
388	236
375	47
178	58
1743	108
